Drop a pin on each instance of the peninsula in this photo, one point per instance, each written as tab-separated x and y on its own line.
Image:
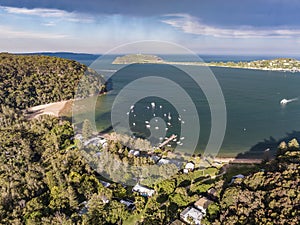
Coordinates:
278	64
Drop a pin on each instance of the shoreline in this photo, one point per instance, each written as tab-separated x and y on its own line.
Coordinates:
57	109
216	65
233	160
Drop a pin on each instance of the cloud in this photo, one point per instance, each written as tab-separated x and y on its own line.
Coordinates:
192	25
49	13
49	24
9	32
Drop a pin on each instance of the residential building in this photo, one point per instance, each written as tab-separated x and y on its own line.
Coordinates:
191	215
144	191
202	204
189	167
177	222
129	204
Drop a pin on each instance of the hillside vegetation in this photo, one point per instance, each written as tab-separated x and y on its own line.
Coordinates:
29	80
137	58
269	196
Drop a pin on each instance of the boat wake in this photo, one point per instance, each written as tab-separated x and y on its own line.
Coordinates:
286	101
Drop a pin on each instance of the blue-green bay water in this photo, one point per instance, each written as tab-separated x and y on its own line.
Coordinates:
255	119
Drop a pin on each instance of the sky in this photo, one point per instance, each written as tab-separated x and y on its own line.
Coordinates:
268	27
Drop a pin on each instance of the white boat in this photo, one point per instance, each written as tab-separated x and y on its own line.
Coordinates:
284	101
153	104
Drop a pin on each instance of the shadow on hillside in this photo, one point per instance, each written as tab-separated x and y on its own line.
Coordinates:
259	150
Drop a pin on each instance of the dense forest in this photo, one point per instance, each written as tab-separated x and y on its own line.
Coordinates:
268	196
29	80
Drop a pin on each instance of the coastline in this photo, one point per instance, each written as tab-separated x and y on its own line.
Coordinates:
152	59
233	160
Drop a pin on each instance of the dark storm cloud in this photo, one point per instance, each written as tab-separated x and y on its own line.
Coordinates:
223	13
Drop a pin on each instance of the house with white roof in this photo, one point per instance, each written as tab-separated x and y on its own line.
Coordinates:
191	216
177	163
129	204
134	152
189	167
104	183
96	141
144	191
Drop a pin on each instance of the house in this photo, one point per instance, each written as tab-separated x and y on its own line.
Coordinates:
191	215
104	199
177	222
163	162
134	152
155	158
98	154
144	191
129	204
189	167
96	141
84	208
236	177
202	204
85	205
103	141
177	163
78	137
104	183
212	192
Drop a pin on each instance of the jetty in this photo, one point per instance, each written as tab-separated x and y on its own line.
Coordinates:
173	136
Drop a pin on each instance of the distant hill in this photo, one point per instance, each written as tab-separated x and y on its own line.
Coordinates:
29	80
137	58
278	64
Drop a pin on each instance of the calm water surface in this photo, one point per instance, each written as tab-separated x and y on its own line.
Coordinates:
255	119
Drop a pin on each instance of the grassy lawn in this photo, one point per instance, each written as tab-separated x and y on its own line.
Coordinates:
133	219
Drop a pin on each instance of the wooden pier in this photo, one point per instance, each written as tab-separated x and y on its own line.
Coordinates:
173	136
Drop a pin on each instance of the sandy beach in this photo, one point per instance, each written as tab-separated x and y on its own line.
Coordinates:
46	109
